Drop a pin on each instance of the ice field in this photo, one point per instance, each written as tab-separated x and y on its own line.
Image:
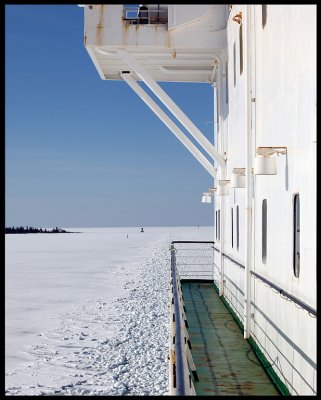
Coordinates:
87	313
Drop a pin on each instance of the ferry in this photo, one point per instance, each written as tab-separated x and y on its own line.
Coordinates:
259	272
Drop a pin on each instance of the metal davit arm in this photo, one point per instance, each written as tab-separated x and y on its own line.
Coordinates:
169	123
173	108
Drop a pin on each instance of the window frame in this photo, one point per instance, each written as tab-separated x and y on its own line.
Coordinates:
264	231
232	227
296	235
264	15
234	62
226	83
241	48
237	228
216	225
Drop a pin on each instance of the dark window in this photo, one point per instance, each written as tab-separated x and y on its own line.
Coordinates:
296	235
219	224
264	14
216	225
264	230
217	109
232	225
241	49
226	82
234	62
237	228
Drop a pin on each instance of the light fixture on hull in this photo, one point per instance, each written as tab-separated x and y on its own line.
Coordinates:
264	163
238	178
223	187
207	196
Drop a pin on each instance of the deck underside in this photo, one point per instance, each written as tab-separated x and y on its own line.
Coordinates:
225	362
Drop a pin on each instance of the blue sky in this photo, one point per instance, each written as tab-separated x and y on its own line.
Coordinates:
81	151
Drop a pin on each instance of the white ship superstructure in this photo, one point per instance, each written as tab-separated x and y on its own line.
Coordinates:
261	62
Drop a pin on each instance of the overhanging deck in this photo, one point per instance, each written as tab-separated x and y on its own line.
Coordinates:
225	362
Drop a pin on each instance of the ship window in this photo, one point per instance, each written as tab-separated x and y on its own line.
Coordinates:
264	14
232	226
219	224
217	110
264	230
237	227
216	224
241	49
296	235
226	83
234	62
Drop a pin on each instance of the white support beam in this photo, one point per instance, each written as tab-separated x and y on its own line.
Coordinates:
169	123
173	108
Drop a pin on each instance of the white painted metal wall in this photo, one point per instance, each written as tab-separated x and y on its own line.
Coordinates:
184	49
284	76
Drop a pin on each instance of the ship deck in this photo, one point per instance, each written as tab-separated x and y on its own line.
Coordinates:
225	362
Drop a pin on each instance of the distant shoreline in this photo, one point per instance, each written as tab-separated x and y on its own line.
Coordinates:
21	229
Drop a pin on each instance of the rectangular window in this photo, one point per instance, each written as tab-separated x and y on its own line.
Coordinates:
264	14
216	225
237	228
232	228
241	49
219	224
296	235
217	112
234	62
264	230
226	83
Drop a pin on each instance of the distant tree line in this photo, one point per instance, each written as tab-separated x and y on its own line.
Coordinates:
30	229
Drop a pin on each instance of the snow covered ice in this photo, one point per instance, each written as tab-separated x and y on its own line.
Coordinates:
88	313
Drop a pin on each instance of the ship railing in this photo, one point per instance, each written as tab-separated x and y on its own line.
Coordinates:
267	338
134	15
182	369
283	293
195	259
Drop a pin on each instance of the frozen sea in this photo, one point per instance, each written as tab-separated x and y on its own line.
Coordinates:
87	313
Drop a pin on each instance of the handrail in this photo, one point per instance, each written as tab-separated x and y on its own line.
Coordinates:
191	241
181	380
135	14
194	268
216	249
284	293
234	261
